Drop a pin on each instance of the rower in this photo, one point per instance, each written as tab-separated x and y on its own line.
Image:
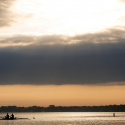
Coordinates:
7	116
12	116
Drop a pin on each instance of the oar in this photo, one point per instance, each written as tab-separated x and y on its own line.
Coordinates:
23	118
20	118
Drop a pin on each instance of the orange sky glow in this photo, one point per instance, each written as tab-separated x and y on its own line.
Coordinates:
64	95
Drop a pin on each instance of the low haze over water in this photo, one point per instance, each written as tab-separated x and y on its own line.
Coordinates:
67	118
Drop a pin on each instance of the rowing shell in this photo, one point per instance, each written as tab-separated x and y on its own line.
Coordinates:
13	119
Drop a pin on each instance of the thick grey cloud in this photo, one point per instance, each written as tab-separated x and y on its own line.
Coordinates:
6	15
90	59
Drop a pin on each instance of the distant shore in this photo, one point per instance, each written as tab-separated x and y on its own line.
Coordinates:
52	108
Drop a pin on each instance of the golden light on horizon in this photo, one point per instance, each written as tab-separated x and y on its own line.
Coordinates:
64	95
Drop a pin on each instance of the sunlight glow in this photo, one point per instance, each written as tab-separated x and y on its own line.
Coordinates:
68	17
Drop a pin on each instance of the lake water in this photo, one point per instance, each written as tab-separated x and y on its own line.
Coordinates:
66	118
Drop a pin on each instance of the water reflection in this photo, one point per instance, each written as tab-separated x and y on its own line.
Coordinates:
78	118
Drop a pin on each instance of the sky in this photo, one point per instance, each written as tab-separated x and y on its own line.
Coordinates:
62	53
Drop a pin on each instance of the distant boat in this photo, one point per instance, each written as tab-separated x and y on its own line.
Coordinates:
11	118
7	117
3	118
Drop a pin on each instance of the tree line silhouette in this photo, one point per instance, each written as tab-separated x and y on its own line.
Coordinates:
52	108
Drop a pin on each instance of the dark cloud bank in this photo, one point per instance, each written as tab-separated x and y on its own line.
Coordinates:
96	58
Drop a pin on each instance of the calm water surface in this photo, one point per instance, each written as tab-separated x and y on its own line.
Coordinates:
68	118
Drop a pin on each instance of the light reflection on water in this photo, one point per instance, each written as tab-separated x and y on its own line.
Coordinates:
68	118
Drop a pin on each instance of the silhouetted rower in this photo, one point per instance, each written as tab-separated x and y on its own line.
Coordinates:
12	116
7	116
